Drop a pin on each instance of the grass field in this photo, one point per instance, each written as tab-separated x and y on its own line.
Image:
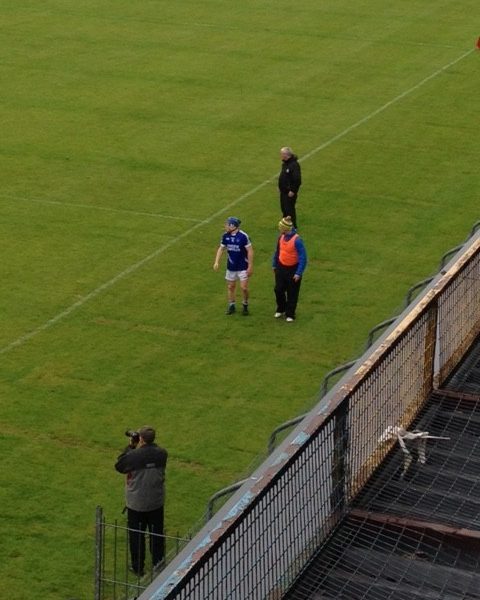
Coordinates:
129	131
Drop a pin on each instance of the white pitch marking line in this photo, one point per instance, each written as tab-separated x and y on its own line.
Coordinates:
93	207
384	107
132	268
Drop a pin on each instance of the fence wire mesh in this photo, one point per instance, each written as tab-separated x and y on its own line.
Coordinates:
368	560
458	316
114	577
258	545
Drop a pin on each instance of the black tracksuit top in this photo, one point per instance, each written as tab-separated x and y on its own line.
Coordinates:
290	178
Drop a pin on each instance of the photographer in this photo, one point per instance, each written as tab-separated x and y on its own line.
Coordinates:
144	464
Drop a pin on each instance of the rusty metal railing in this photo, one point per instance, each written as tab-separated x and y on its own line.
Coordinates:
260	539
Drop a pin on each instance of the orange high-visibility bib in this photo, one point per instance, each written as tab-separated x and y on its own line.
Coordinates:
288	255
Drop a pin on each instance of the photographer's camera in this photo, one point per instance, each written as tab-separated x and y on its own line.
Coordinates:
134	437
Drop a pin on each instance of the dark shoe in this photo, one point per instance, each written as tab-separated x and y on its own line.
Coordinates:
230	309
135	572
245	310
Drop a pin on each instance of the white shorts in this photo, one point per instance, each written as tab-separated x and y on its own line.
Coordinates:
234	275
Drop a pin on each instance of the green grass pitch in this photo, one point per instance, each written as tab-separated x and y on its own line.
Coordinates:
129	131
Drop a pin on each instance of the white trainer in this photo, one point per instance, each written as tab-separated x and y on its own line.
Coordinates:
277	315
289	320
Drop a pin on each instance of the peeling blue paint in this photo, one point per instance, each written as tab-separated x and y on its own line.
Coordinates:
240	505
206	540
280	459
324	406
173	580
179	573
301	438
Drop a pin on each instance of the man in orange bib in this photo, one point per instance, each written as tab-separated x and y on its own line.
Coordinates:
289	262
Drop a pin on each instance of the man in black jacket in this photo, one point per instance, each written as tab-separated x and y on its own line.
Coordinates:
289	182
144	464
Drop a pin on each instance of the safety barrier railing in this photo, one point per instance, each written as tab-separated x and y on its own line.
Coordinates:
458	317
260	539
372	336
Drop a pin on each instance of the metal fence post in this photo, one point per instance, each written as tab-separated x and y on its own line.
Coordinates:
418	286
223	492
339	478
98	552
379	327
341	369
272	442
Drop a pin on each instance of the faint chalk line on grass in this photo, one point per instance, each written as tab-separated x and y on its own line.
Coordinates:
384	107
131	269
95	207
134	267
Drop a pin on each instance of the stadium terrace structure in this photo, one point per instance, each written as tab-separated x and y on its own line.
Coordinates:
375	494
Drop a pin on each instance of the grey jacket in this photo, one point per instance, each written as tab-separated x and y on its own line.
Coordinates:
145	470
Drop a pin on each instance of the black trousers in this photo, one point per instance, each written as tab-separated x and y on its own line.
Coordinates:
287	206
138	523
286	290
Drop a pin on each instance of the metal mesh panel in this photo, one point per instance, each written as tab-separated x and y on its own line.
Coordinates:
458	316
293	505
411	533
389	395
466	377
114	580
444	489
272	541
367	560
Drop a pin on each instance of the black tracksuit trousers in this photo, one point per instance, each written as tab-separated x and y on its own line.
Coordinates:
286	290
287	206
138	522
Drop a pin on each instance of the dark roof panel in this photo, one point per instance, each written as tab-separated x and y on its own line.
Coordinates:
414	530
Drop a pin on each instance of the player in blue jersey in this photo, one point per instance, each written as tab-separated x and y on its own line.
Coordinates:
239	262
